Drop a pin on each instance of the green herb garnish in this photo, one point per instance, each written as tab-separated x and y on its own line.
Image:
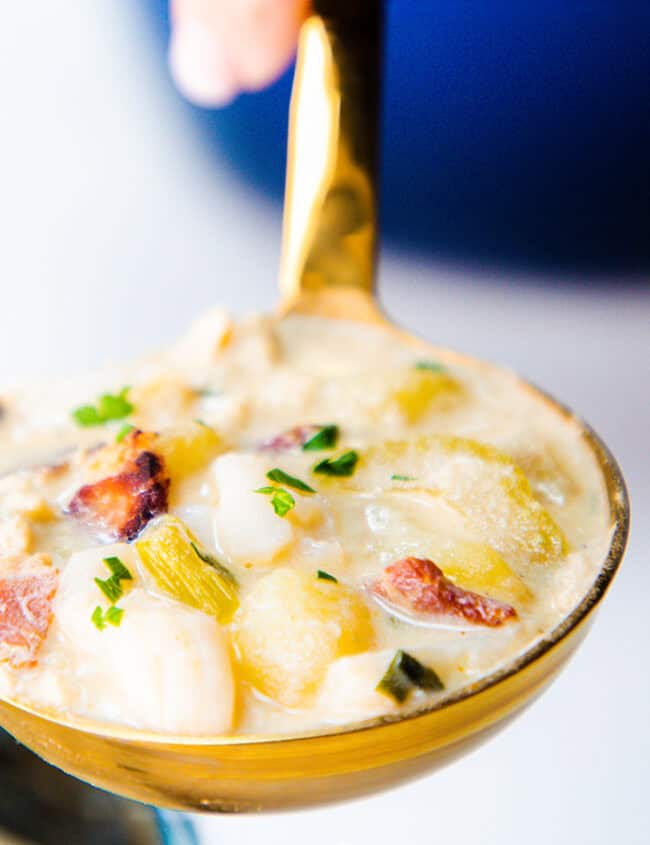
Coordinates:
113	616
342	466
109	407
325	576
283	477
396	477
127	428
98	618
431	366
112	587
282	500
118	569
324	439
206	557
404	674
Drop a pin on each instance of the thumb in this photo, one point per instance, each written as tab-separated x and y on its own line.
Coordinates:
221	47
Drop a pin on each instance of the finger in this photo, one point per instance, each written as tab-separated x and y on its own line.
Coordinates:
222	47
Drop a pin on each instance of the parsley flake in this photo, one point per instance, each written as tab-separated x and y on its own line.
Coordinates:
431	366
114	615
111	587
324	439
396	477
118	569
404	674
109	407
325	576
283	477
97	618
281	499
344	465
127	428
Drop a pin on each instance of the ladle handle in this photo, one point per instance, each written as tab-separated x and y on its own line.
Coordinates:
330	213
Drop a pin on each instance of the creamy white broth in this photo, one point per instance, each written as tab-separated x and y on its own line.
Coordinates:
168	666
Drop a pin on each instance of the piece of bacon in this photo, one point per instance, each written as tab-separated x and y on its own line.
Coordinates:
293	438
27	589
418	585
119	506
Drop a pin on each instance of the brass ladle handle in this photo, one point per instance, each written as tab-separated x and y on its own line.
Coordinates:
330	214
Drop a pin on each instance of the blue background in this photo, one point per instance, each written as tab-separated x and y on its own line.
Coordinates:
514	133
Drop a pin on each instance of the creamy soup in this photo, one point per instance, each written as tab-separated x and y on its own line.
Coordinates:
283	524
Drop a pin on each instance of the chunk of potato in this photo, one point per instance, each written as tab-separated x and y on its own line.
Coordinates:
291	627
478	567
482	484
189	448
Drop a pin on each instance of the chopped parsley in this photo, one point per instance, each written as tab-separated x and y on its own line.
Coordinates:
98	618
109	407
206	557
112	589
281	499
324	439
431	366
127	428
404	674
113	616
342	466
118	569
325	576
283	477
396	477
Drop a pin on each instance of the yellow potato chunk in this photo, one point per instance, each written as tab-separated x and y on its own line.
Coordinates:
424	390
482	484
181	568
478	567
189	448
290	628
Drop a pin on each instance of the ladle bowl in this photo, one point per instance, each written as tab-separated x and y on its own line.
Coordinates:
327	269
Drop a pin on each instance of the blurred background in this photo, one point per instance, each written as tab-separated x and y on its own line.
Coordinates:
516	226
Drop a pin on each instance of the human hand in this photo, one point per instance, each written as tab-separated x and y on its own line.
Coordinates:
222	47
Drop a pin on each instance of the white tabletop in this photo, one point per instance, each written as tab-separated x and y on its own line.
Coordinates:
119	226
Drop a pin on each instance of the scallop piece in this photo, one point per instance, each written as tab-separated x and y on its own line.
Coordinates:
165	667
247	527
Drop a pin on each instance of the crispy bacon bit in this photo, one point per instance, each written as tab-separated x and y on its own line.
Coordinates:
27	588
294	438
120	505
418	585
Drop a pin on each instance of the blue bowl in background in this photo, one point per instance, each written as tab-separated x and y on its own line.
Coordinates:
514	134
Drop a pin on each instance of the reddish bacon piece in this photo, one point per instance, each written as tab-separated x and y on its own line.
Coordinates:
119	506
294	438
27	588
418	585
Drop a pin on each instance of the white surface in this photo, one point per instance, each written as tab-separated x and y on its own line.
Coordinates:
118	228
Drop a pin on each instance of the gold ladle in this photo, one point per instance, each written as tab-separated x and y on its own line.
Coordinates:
328	270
